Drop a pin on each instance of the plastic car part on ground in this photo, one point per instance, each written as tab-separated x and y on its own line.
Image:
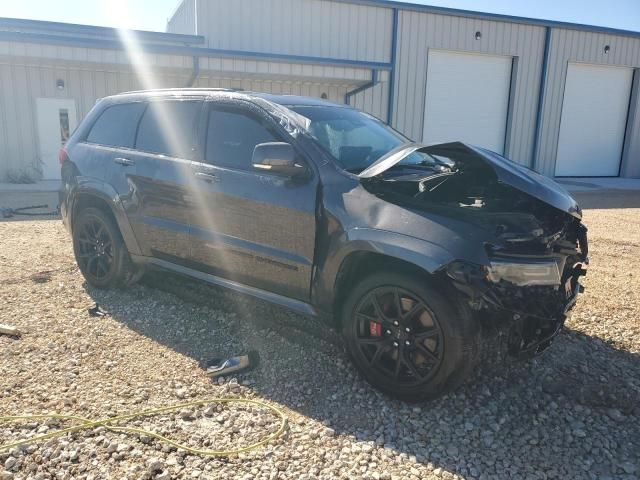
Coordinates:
219	367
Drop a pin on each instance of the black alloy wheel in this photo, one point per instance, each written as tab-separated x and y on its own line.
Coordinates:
95	249
100	251
399	335
408	335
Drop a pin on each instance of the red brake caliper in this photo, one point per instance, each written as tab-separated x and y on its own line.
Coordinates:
375	329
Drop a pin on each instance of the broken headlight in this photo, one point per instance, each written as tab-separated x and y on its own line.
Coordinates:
525	273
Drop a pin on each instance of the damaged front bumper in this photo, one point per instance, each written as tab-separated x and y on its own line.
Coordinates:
528	315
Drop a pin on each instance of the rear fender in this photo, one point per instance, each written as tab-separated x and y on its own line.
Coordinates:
91	187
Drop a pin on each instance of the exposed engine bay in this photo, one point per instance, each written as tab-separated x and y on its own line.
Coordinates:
537	246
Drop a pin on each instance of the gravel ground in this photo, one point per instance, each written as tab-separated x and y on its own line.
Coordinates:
573	412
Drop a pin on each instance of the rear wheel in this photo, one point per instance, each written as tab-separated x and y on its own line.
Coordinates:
100	251
406	338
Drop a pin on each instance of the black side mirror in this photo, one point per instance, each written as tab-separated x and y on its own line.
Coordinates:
277	158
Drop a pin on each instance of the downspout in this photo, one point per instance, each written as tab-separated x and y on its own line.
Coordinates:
543	83
392	72
195	72
362	88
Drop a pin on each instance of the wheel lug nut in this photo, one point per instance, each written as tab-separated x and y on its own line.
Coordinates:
395	323
388	332
395	344
408	330
407	343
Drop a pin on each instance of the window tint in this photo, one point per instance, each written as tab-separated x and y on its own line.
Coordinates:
231	137
168	127
116	127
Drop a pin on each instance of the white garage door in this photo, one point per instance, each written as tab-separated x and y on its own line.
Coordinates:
594	118
467	99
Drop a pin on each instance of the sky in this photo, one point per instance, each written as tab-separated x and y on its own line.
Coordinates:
153	14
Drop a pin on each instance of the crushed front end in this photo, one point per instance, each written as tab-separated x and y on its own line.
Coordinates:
526	297
529	230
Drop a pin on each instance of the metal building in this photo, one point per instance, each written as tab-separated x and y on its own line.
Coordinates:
561	98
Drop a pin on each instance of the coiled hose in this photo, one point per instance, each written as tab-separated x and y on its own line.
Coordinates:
107	423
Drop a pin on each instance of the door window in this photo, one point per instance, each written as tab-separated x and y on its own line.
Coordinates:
167	128
232	134
116	126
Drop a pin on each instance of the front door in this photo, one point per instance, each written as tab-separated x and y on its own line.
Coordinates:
256	228
56	121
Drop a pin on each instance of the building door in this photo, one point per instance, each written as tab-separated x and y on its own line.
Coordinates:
467	99
593	121
56	121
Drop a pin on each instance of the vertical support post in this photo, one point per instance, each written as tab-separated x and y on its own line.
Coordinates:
392	72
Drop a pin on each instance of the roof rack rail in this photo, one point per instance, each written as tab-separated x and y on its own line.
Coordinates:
185	89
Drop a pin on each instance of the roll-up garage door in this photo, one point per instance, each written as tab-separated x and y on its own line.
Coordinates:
594	119
467	98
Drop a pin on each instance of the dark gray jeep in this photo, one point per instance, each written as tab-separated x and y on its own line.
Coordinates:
419	252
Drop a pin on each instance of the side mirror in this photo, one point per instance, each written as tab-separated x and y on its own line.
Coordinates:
277	158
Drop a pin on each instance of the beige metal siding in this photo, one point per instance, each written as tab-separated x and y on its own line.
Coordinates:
317	28
587	47
335	92
25	81
418	32
183	19
374	100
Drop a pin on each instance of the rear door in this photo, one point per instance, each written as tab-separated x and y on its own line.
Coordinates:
249	226
161	183
111	139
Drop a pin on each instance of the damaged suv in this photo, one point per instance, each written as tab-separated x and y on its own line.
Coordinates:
420	253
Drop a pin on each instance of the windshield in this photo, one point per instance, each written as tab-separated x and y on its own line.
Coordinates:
354	139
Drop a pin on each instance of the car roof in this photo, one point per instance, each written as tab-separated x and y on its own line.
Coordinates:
285	100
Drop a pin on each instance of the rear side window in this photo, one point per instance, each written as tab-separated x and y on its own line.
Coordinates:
116	126
168	128
232	135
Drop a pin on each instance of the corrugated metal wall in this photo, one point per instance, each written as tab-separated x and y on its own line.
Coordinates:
24	82
298	27
335	92
183	19
418	32
374	100
588	47
29	71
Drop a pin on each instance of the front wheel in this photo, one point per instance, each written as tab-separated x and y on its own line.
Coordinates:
406	338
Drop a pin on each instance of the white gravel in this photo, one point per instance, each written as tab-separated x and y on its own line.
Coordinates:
573	412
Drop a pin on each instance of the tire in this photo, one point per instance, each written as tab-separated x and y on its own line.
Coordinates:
100	250
441	343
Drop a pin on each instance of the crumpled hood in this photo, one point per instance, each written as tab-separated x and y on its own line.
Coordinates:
467	157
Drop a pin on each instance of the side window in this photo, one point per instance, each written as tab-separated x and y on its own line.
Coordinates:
116	126
167	128
232	134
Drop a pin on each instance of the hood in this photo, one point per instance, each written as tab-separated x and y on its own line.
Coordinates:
459	157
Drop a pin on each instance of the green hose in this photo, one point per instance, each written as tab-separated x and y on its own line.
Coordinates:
89	424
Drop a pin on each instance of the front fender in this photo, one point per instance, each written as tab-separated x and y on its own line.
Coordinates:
423	254
94	188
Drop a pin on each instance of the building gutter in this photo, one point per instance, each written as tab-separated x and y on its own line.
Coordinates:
194	73
187	50
392	72
372	83
541	93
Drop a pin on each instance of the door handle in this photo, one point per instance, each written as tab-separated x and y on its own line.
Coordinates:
206	177
124	161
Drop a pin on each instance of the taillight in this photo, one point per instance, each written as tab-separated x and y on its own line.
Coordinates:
62	156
